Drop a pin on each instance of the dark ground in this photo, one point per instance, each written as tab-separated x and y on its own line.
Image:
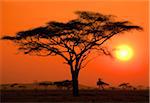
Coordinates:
92	96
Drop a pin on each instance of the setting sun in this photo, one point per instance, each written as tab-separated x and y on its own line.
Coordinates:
124	52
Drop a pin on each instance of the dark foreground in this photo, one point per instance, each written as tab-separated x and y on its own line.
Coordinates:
92	96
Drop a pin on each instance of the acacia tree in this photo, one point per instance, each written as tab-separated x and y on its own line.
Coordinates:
73	40
124	85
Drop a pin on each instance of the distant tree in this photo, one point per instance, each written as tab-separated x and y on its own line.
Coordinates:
74	40
21	87
14	84
124	85
66	84
101	84
130	87
58	84
45	84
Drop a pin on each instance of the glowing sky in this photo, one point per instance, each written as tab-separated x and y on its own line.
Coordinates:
124	52
17	16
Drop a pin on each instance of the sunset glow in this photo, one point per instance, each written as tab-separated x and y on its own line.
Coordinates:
131	53
124	52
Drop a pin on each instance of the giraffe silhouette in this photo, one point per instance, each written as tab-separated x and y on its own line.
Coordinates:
101	84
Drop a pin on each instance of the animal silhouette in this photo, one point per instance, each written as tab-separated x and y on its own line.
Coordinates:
101	84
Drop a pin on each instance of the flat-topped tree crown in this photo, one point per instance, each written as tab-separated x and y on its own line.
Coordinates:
73	40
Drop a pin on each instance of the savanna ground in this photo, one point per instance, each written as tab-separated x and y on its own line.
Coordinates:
86	96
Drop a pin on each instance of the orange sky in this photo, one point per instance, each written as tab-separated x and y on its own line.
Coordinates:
17	16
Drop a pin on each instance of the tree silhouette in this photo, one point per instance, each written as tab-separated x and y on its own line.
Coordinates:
130	87
127	86
73	41
101	84
124	85
65	83
21	87
14	84
45	84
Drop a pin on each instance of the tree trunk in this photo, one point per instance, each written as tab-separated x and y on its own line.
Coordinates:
75	84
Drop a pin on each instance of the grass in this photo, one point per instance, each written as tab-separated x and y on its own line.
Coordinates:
92	96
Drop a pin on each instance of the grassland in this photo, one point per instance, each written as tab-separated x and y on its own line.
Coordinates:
86	96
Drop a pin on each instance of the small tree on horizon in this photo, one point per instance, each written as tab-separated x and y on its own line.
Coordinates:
73	40
124	85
